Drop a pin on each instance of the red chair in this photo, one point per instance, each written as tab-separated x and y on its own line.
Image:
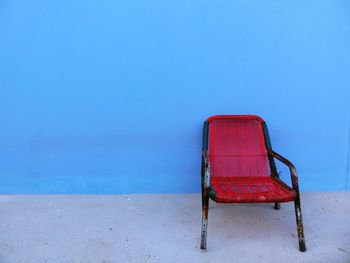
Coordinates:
238	167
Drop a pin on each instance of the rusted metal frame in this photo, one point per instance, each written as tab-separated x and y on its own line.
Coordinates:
291	167
205	185
297	203
273	168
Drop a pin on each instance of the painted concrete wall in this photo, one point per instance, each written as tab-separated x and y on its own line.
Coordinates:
109	96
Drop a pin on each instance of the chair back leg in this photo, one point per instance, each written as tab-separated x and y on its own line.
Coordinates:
277	206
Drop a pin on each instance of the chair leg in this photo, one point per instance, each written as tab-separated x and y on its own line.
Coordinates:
205	207
300	228
277	206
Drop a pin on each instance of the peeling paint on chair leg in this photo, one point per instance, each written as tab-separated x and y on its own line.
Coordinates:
204	230
297	205
205	208
300	227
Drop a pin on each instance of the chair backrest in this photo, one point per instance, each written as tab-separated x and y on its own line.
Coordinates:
237	146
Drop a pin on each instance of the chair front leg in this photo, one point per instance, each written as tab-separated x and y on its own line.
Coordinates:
300	227
205	198
205	206
297	206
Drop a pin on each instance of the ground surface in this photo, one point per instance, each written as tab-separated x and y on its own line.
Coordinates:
166	228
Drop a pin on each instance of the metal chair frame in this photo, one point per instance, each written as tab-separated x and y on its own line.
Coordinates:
205	185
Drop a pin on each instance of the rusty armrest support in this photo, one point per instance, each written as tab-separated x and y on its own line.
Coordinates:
292	169
297	205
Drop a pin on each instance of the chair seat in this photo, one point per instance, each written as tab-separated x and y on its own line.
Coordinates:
263	189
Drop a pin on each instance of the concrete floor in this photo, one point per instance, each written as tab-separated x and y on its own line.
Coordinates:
166	228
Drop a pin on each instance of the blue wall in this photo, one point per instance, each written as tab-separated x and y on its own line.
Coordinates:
109	96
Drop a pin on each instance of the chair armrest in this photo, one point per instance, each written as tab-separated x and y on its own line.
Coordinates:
291	166
205	169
